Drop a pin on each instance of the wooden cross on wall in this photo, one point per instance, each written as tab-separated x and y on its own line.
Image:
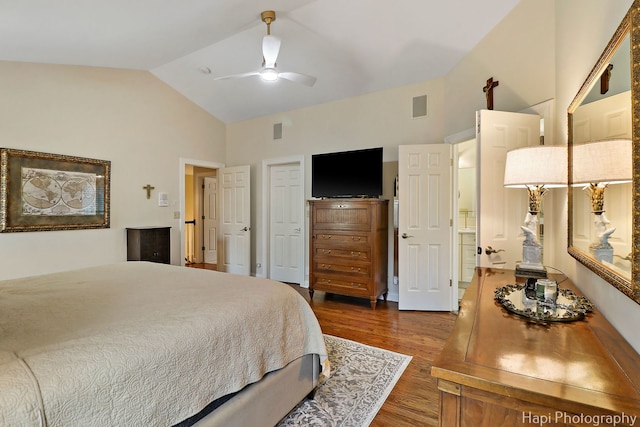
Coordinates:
148	188
604	79
488	91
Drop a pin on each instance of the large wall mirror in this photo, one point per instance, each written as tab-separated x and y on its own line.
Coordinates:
604	163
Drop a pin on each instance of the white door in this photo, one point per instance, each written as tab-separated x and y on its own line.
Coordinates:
501	211
210	220
286	241
234	220
424	259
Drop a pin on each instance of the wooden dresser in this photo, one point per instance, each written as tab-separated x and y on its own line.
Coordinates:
497	369
349	247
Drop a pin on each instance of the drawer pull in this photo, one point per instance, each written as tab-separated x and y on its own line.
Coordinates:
355	254
355	269
356	238
326	236
326	266
327	251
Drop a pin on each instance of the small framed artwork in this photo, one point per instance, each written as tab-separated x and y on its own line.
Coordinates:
44	192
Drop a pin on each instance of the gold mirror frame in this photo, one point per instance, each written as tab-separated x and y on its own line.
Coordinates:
630	25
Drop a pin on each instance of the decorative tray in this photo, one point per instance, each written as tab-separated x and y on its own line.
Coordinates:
566	308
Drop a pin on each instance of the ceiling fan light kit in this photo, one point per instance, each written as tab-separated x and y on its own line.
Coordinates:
270	49
269	74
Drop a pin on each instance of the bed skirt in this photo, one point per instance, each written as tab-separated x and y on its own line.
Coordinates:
266	402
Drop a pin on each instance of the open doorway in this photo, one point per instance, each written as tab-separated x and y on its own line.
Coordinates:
198	213
464	207
466	202
201	217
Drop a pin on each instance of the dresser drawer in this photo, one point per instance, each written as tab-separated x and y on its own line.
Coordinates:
339	266
343	286
468	254
342	238
467	239
343	215
352	253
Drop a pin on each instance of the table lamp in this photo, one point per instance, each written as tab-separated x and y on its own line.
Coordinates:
537	169
596	165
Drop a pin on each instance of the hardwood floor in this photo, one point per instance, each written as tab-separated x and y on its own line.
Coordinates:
204	266
414	400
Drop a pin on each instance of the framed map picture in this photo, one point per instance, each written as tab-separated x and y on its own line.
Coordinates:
43	192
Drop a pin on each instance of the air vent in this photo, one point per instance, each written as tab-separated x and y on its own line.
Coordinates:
277	131
419	106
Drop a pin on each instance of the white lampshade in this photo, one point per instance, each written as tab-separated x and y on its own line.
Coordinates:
606	161
538	165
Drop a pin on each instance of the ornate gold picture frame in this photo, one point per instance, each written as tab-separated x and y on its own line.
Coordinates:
44	192
628	30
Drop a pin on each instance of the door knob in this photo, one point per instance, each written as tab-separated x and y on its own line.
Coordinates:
245	229
297	230
489	250
405	236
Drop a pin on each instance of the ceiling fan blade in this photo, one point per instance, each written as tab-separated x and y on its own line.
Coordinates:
299	78
270	49
238	76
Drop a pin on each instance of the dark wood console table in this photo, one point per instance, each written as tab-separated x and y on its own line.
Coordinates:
149	244
498	369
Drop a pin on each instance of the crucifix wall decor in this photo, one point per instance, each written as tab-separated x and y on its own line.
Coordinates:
488	91
604	79
148	188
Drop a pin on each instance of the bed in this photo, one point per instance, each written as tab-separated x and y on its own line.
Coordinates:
145	344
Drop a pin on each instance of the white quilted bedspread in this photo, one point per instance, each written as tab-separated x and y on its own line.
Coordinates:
141	344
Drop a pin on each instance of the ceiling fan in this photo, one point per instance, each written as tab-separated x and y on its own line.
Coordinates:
270	49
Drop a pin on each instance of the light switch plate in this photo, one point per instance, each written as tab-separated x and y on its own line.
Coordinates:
163	199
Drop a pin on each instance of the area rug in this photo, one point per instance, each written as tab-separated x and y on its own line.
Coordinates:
361	379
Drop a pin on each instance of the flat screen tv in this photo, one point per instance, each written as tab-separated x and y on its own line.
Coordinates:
355	173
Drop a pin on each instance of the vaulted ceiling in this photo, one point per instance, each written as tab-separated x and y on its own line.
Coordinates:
352	47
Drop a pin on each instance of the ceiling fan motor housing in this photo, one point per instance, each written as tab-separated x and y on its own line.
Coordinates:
268	16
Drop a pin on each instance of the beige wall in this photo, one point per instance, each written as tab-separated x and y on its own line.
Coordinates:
519	53
128	117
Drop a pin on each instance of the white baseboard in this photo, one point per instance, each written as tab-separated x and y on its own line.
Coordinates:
392	297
